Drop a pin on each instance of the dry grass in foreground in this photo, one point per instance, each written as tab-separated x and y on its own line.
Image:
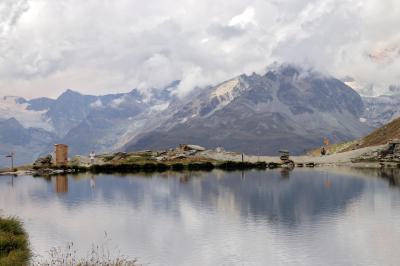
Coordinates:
100	255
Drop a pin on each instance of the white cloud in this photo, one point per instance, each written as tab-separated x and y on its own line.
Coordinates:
244	19
99	46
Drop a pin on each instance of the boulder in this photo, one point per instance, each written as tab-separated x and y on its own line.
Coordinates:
44	161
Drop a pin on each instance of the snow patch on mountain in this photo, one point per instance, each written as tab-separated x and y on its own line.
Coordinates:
226	89
117	102
160	107
97	104
16	107
382	109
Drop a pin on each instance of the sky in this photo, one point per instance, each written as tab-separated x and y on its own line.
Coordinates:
107	46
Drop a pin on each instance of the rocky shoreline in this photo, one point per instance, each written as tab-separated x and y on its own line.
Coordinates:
196	158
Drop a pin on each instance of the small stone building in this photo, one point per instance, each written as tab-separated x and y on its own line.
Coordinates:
61	154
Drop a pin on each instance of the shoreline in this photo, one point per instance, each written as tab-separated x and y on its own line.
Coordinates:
179	160
228	166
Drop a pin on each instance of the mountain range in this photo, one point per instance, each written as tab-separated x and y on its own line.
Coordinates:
286	108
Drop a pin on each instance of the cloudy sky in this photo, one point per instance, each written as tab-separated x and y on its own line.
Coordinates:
104	46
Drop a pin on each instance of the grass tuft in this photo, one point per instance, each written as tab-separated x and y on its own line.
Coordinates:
99	255
14	245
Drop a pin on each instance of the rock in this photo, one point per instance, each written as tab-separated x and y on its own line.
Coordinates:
44	161
179	156
219	149
188	147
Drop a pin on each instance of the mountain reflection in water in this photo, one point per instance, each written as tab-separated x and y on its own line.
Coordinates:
300	217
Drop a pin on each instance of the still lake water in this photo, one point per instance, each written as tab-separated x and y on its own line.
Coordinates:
305	217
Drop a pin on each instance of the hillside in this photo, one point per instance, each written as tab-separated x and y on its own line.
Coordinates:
380	136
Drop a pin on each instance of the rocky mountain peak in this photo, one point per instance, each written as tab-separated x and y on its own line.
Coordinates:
270	110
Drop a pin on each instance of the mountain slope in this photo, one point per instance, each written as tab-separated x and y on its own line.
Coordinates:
100	128
84	122
382	109
68	110
286	108
380	136
26	143
114	117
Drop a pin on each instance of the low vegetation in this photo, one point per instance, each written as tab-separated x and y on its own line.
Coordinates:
182	158
150	167
14	245
162	167
99	255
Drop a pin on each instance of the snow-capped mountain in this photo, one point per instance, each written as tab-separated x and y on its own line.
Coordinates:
382	109
84	122
380	105
288	107
24	112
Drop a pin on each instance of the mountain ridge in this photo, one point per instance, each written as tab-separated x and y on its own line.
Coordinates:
238	113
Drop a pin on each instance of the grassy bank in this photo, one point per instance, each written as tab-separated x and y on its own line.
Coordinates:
14	246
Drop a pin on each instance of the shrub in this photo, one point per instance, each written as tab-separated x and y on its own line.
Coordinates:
162	167
233	166
178	167
200	166
261	165
14	247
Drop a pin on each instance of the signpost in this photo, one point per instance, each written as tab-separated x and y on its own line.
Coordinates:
11	156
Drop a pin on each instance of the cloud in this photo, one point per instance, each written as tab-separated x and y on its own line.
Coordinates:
225	32
10	12
99	46
244	19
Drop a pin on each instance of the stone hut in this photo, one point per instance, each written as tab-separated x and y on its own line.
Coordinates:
61	154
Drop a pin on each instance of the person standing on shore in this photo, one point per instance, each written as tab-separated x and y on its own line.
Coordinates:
323	151
92	156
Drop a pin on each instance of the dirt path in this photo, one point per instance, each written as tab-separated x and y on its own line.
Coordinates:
338	158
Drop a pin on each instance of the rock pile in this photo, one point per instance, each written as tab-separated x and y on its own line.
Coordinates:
182	152
45	161
390	153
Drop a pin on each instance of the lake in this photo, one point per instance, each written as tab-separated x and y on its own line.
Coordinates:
337	216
